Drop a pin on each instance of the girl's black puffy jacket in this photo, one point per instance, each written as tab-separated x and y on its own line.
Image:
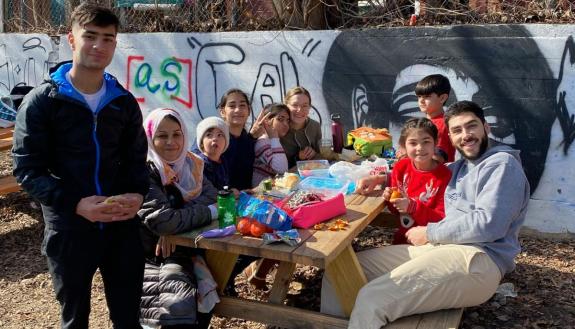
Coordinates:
64	152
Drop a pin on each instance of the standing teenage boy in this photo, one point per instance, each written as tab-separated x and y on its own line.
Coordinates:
459	261
80	149
432	92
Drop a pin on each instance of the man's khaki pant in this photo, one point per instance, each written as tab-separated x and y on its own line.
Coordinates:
405	280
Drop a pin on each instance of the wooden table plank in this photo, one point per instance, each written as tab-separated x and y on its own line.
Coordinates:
280	315
8	184
448	319
241	244
325	246
410	322
6	144
6	132
318	248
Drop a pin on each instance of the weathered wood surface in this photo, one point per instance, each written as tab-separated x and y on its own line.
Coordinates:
6	138
318	248
278	315
291	317
8	184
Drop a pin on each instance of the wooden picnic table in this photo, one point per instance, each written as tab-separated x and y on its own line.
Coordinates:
330	250
6	138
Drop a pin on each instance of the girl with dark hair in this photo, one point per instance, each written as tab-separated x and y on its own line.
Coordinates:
417	183
234	108
270	155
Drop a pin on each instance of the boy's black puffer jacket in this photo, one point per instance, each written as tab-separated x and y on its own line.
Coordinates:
169	294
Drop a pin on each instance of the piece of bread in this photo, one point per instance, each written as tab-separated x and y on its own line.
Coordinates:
288	180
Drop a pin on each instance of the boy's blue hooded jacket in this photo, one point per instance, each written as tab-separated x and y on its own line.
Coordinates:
64	152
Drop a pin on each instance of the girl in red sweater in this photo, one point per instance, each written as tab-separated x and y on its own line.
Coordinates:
418	182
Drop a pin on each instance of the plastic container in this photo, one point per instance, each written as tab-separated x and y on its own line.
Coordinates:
315	168
226	208
326	186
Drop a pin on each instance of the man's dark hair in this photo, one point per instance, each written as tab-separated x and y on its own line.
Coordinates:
88	13
435	83
463	107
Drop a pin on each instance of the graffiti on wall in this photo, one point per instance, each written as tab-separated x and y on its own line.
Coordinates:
175	75
196	82
369	77
525	105
519	110
24	60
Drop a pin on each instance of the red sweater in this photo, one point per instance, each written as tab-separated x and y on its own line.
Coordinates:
425	189
443	141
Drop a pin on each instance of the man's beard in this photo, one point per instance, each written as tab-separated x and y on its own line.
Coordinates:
482	148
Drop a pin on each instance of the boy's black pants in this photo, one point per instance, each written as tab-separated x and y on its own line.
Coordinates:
74	256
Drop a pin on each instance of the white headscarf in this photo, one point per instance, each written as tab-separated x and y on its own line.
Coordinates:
186	172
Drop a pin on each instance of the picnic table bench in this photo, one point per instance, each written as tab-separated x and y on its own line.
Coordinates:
330	250
8	184
6	138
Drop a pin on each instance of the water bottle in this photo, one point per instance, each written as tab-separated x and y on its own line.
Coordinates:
226	208
336	132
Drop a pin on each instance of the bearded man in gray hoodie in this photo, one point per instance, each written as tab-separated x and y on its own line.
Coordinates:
459	261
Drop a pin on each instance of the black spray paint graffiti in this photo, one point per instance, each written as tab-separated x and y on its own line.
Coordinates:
272	81
30	68
566	119
370	77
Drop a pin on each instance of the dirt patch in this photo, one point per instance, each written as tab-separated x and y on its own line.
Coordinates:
543	281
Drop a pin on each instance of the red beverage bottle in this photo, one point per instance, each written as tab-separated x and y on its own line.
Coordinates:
336	132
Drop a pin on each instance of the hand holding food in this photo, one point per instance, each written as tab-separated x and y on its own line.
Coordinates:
401	204
124	206
395	194
367	184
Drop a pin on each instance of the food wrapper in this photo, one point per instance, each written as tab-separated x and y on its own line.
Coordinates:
291	237
264	212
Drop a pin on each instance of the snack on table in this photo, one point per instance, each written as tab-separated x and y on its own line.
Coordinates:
395	194
288	180
337	225
291	237
302	197
313	168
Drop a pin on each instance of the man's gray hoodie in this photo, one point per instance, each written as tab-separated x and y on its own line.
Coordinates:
485	205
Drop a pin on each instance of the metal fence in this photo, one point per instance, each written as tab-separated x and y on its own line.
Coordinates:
52	17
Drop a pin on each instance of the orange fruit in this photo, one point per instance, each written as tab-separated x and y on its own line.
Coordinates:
395	194
244	226
258	229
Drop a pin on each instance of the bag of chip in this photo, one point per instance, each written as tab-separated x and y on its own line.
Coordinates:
263	211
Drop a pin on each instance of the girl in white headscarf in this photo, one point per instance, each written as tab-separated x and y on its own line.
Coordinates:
179	200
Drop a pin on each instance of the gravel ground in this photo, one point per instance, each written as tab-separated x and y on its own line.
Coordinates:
543	281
